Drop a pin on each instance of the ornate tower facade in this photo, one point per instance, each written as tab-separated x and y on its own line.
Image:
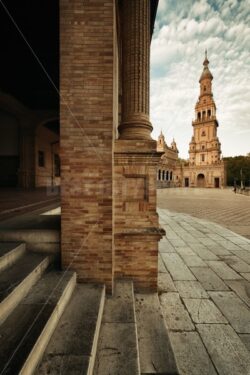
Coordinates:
205	148
205	168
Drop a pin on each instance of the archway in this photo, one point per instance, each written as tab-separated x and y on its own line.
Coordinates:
201	180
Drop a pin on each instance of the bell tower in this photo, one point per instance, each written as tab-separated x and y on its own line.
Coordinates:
205	148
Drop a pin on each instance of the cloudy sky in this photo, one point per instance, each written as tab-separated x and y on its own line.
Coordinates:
183	30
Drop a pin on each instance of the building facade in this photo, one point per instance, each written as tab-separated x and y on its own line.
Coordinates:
205	167
168	165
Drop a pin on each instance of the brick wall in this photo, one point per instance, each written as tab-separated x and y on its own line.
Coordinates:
87	111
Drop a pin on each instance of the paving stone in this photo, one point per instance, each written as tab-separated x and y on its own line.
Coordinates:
241	288
219	250
222	270
117	350
208	279
191	289
155	351
236	263
166	247
243	254
161	265
238	240
225	348
203	252
176	267
165	283
174	312
245	246
228	245
203	311
184	250
232	307
246	340
193	261
207	241
191	355
177	242
246	276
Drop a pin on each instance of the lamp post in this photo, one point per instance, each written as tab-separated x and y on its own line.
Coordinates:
241	180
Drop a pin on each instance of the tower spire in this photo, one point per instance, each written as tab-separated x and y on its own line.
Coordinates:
206	61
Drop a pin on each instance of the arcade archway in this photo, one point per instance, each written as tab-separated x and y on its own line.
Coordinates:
201	180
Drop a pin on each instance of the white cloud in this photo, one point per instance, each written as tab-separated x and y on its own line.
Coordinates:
184	30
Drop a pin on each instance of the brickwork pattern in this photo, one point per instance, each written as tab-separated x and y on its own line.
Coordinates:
87	137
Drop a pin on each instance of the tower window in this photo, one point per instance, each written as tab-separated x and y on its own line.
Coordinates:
203	147
202	157
203	114
203	133
209	113
205	89
199	115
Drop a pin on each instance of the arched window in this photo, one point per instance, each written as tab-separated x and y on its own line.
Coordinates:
159	175
203	147
205	89
167	175
209	113
203	114
203	133
199	115
171	175
163	175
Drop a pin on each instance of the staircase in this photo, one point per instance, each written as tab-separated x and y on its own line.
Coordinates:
49	324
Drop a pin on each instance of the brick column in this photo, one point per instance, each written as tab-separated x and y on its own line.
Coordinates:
135	70
86	119
137	230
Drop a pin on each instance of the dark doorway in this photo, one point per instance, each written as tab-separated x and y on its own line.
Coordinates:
201	180
186	182
216	182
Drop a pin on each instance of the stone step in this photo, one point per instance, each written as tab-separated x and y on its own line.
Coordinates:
36	240
72	348
10	252
117	351
26	332
155	351
17	280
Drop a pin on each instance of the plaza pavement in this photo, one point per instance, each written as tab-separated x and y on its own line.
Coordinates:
222	206
204	287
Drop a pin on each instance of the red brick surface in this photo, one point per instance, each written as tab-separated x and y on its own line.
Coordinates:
86	137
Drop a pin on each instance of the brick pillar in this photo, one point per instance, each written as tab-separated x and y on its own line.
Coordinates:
86	137
137	229
135	70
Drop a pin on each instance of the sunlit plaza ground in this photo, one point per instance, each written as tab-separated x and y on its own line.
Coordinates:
218	205
204	274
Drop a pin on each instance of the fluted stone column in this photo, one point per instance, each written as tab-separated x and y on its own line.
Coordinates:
135	70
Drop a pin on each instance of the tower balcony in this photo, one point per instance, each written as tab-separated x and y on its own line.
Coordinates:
204	119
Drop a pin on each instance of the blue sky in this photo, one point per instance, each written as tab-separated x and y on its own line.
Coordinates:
183	30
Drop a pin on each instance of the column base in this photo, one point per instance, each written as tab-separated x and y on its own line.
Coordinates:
135	130
137	229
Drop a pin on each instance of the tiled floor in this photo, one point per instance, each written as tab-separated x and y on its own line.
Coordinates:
222	206
204	286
